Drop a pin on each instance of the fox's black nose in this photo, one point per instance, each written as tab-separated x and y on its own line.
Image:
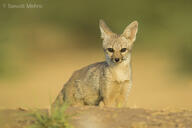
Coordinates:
116	59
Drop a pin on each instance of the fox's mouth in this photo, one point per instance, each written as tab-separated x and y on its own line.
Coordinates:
117	62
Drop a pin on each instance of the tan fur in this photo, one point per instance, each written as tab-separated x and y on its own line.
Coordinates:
108	82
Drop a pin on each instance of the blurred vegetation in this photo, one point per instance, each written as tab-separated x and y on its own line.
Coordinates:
164	27
56	119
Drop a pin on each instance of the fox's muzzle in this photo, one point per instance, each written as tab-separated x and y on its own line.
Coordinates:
116	60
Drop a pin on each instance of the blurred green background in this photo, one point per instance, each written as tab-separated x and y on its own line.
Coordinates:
66	34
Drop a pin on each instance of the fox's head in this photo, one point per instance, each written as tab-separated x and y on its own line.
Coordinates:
117	47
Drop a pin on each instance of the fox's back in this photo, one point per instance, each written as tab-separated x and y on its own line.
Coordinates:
84	84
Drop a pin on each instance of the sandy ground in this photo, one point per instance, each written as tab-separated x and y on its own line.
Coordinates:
95	117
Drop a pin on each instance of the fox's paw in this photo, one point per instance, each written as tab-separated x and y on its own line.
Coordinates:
101	104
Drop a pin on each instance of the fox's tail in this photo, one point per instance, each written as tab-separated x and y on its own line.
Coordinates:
59	99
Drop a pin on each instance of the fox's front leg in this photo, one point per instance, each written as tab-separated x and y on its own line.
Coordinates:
122	100
107	96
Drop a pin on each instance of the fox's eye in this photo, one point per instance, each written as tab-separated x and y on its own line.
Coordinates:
110	49
123	50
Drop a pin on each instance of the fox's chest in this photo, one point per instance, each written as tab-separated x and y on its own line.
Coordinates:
120	74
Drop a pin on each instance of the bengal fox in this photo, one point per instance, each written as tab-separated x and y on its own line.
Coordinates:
104	83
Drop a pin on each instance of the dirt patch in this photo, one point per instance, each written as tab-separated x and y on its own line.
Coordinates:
95	117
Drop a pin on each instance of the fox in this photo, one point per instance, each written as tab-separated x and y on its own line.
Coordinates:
104	83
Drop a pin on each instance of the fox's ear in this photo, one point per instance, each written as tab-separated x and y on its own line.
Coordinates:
131	31
105	31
